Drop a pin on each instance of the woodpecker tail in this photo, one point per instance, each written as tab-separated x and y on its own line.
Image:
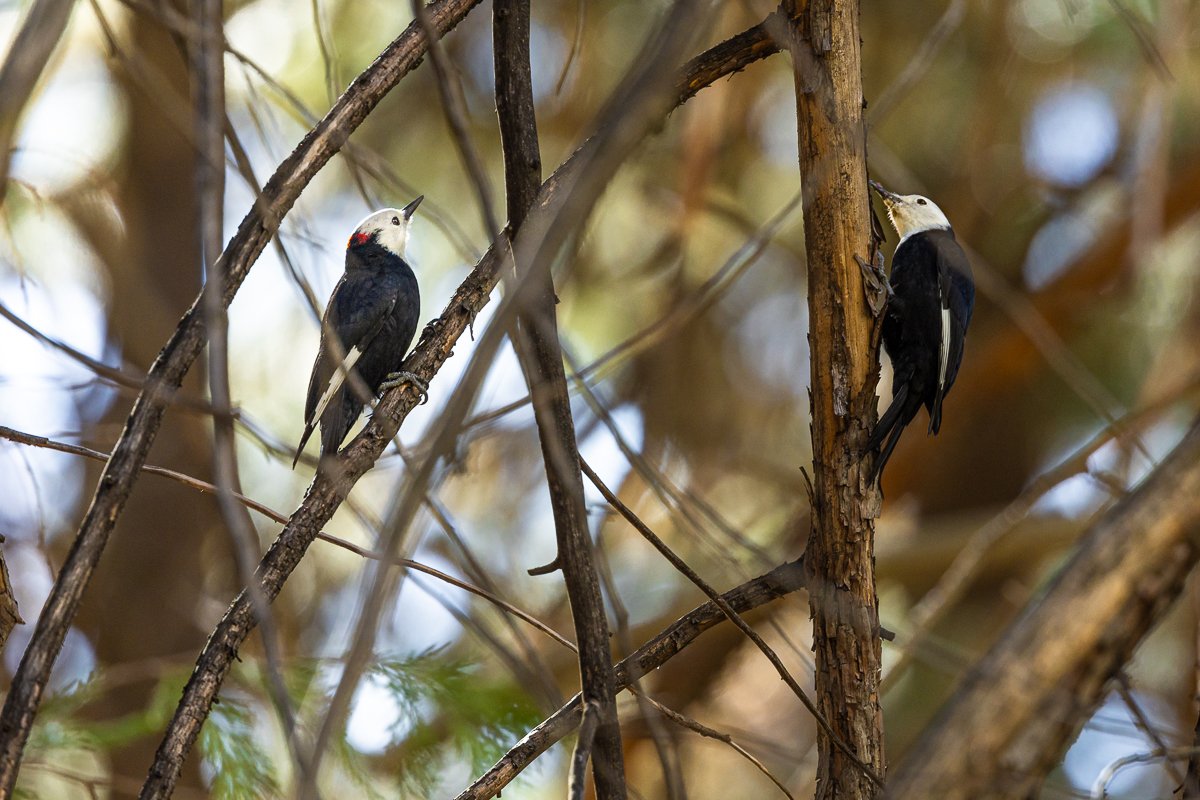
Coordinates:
889	428
309	427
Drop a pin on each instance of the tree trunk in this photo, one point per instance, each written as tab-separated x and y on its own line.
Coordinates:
825	48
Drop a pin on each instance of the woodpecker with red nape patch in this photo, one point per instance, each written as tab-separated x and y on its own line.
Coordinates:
931	295
368	326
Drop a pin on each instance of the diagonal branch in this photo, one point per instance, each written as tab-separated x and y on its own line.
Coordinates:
487	594
679	564
1024	700
780	581
206	57
27	57
172	364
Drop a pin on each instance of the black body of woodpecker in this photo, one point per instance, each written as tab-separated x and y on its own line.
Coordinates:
930	300
368	326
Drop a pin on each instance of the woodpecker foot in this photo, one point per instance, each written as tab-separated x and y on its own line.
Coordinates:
395	379
875	283
471	315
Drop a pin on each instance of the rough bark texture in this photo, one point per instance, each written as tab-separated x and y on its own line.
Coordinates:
844	362
1008	724
541	360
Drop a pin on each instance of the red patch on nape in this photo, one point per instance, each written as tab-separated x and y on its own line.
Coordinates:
358	238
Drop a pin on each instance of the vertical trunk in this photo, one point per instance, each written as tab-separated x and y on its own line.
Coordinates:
840	556
538	347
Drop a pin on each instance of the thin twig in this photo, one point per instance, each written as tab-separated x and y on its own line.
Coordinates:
455	108
682	566
664	745
934	605
685	721
779	582
1169	754
490	596
1143	723
921	61
577	778
208	66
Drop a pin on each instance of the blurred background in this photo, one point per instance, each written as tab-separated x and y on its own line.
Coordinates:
1062	139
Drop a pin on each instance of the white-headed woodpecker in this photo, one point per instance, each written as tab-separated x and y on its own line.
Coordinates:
368	325
930	298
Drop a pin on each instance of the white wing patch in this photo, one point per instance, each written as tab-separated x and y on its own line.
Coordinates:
339	377
945	354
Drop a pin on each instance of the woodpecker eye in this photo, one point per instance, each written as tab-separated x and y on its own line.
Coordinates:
920	201
395	220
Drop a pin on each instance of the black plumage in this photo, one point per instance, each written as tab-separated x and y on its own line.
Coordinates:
374	310
929	307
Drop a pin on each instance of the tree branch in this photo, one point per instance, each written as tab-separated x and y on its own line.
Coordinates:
679	564
28	54
780	581
1026	698
540	355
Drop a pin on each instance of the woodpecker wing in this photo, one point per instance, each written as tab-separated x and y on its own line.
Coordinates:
956	296
356	313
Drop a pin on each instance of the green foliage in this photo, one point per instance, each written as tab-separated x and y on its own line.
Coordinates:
229	746
63	731
449	711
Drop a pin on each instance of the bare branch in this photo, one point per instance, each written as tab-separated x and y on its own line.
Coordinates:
454	107
921	61
780	581
1029	693
21	437
206	57
679	564
540	354
685	721
965	567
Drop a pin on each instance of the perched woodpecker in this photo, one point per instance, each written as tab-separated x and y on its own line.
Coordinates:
368	325
930	298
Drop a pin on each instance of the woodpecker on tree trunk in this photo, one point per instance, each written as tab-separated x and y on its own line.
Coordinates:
368	326
931	295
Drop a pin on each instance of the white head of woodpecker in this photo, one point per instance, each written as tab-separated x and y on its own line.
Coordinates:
387	227
911	213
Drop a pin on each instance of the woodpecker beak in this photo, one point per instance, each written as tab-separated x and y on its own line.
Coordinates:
888	197
411	208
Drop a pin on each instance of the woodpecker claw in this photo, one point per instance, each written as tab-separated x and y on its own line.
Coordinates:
875	283
395	379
